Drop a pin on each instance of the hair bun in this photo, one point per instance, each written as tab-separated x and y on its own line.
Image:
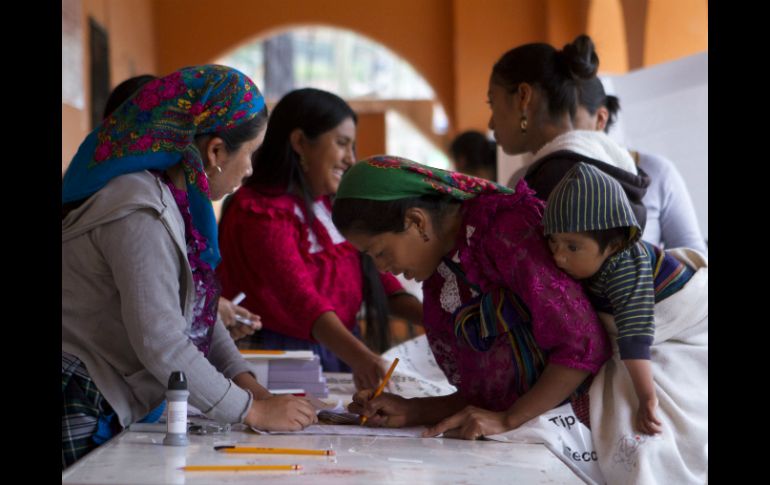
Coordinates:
580	57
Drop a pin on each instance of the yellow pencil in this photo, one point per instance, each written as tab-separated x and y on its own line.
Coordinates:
382	385
238	468
263	352
272	451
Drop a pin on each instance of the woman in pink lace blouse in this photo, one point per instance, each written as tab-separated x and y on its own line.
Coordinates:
512	332
281	249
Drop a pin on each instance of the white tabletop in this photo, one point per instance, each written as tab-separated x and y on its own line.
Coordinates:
140	458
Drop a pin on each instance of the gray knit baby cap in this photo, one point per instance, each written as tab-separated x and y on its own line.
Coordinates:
587	199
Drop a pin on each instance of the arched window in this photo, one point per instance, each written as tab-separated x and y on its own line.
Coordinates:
368	75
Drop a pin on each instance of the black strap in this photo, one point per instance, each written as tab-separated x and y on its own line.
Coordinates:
456	269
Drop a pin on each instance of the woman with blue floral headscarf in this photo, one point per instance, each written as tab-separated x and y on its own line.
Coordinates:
139	250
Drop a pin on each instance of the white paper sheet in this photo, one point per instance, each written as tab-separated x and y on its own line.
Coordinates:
417	373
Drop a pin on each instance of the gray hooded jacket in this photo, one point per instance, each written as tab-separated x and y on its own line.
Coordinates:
127	301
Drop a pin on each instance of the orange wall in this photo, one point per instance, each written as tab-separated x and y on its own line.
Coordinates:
418	30
370	135
631	34
453	44
131	28
675	29
606	26
566	19
131	32
484	30
634	21
74	128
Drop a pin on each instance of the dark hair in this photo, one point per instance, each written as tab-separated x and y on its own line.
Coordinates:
377	334
378	216
477	151
591	96
616	235
556	73
276	164
612	103
237	136
125	90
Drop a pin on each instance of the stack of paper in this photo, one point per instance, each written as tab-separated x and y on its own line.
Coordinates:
289	371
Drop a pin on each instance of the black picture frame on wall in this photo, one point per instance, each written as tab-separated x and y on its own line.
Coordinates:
99	45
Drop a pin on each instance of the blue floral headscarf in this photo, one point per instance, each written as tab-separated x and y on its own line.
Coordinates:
156	128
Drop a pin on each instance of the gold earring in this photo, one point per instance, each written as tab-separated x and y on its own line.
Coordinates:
524	123
425	237
303	163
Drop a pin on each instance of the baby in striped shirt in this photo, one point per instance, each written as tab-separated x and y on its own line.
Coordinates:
594	237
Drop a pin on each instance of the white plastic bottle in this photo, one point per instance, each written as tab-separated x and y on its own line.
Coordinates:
176	418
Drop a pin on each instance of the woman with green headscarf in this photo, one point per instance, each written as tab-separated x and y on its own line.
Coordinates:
512	332
139	249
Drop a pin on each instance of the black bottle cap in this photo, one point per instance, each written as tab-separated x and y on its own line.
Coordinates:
177	381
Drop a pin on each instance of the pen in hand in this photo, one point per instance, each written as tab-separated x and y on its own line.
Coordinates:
248	323
238	298
243	320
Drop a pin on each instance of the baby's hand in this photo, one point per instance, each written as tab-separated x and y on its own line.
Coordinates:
646	420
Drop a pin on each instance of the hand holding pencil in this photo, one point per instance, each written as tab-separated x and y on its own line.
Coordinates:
382	385
385	409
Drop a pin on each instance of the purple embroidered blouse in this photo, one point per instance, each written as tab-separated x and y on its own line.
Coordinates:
501	244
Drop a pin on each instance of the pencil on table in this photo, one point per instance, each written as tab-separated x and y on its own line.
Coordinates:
262	352
272	451
236	468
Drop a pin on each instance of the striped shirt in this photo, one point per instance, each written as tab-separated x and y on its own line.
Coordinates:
628	286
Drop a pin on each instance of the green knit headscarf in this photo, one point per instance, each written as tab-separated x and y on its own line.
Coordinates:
384	177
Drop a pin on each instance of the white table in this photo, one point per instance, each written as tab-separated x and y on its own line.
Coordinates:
140	458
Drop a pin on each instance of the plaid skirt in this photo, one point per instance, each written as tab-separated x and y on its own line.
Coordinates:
87	419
